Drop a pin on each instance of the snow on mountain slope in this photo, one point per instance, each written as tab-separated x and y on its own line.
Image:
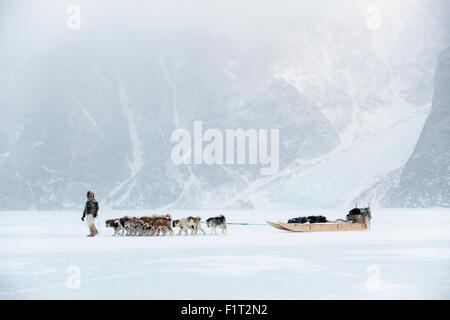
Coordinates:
376	193
136	163
346	175
336	179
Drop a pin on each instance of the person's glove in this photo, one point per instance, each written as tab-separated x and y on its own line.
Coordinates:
82	218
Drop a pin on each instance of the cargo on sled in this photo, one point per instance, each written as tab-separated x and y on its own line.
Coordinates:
357	219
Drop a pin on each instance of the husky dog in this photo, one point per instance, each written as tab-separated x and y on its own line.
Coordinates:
117	225
163	224
194	224
182	224
215	222
149	229
130	224
189	223
141	227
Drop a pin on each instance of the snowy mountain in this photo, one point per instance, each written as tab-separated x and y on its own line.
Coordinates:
425	179
95	108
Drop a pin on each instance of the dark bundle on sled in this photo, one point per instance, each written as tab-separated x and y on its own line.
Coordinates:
310	219
298	220
358	215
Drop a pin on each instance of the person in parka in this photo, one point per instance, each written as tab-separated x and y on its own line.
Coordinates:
91	212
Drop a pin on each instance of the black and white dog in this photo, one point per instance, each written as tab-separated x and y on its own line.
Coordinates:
117	224
215	222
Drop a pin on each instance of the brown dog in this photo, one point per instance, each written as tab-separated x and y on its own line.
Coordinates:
163	224
150	229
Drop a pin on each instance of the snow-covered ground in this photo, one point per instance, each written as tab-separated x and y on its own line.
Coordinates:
406	254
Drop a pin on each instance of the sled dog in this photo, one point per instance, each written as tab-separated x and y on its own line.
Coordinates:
189	223
215	222
117	225
163	224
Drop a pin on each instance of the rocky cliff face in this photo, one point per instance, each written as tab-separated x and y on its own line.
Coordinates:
425	179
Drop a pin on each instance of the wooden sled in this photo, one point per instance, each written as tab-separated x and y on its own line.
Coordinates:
319	226
276	225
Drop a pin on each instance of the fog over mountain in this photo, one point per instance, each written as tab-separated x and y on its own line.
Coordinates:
94	108
424	181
